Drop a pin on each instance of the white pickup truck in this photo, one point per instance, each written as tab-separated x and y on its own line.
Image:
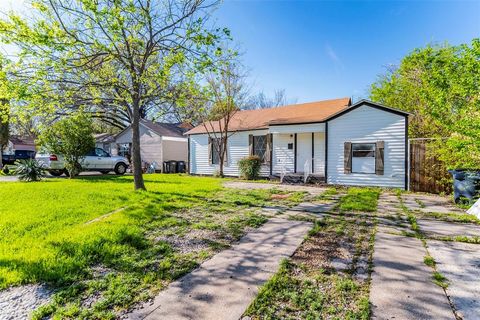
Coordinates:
96	160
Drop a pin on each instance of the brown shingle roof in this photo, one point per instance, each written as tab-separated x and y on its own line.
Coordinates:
292	114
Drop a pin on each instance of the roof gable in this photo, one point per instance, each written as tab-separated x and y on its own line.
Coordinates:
372	104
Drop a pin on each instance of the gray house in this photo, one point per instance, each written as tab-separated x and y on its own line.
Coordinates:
159	142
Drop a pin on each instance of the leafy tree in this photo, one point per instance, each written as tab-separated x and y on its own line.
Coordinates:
114	59
4	109
71	137
440	85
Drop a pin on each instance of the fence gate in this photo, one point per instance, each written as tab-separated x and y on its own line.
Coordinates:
427	174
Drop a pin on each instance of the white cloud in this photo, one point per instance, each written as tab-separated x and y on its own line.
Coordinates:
334	57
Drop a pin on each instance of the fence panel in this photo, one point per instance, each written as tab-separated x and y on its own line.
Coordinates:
427	174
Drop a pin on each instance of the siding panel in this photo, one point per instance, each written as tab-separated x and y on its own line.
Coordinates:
237	149
367	124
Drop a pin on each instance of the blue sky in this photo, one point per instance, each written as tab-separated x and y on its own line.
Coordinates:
326	49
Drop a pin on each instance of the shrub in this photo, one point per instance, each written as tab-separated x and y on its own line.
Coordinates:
72	137
250	167
29	170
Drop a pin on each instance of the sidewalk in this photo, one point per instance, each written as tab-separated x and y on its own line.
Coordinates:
224	286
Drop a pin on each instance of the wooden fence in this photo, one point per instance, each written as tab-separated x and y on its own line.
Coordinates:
427	174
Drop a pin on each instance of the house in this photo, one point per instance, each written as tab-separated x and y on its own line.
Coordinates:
106	141
362	144
159	142
20	143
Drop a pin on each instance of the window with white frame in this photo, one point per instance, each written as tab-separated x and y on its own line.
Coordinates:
363	157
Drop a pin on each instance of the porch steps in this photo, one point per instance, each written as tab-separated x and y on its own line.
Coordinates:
298	178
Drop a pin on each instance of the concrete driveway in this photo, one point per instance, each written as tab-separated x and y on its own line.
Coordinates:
402	284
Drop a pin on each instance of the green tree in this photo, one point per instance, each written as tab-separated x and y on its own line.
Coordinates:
113	59
440	85
72	138
4	109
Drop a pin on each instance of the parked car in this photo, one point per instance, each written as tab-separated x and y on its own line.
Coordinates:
96	160
18	155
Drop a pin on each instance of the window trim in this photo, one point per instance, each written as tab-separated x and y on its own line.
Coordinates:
374	157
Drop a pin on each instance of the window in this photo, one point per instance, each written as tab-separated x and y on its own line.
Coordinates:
216	147
363	157
260	146
100	152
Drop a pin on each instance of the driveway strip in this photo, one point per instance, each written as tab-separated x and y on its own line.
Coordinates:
224	286
402	286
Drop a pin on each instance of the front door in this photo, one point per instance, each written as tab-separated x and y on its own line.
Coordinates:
304	152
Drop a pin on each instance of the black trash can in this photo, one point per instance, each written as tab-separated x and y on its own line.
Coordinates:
466	183
166	167
173	166
181	167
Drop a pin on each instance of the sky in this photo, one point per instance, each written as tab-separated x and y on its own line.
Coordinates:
318	50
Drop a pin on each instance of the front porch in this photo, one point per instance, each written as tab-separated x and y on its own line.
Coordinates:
298	153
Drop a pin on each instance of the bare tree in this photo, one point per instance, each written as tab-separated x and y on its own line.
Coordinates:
114	59
227	91
262	101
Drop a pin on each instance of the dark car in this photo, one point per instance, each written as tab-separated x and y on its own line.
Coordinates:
18	155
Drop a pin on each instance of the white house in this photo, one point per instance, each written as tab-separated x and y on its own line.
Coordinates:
159	142
362	144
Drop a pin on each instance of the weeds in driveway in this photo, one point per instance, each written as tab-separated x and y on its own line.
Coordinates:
449	217
440	280
437	277
100	267
328	277
360	200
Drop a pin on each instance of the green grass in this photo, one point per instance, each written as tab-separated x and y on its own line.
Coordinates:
327	194
48	234
429	261
450	217
360	199
440	280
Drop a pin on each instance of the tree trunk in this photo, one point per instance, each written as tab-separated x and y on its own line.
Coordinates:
1	156
136	158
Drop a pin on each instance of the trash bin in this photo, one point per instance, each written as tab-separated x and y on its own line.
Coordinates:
173	166
181	167
166	167
466	183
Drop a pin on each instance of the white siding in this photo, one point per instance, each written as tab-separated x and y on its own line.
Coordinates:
237	148
282	156
175	149
368	124
150	144
319	153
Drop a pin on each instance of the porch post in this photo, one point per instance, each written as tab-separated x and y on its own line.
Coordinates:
313	152
326	152
295	153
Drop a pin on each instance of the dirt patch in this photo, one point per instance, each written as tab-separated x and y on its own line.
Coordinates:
325	251
280	196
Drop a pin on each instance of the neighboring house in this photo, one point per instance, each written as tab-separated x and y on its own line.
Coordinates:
20	143
159	142
106	141
362	144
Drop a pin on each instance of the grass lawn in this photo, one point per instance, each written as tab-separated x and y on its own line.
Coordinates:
95	236
328	277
